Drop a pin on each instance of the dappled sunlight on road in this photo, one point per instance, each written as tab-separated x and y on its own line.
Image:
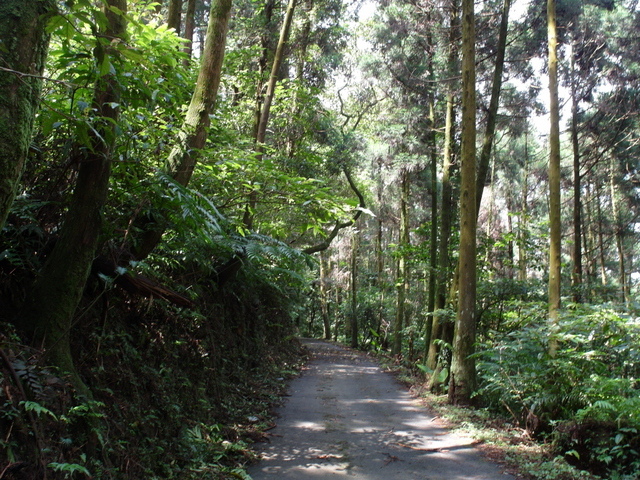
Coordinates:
345	418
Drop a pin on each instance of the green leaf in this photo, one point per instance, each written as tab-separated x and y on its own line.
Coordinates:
131	53
105	66
169	60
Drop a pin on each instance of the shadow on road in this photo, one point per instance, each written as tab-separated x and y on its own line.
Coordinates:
346	418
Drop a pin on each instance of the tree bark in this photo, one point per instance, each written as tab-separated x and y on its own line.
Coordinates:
433	234
446	209
619	234
463	375
554	180
402	280
174	17
576	274
53	300
523	223
189	29
24	44
324	298
353	314
601	249
492	114
193	137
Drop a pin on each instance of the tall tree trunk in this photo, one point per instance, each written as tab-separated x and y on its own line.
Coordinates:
25	44
523	223
380	280
601	249
55	295
554	180
324	298
494	102
463	373
261	131
174	16
189	29
510	246
589	242
619	234
576	274
193	137
402	280
353	320
302	44
433	235
446	209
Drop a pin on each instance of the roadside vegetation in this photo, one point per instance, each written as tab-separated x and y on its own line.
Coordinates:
187	185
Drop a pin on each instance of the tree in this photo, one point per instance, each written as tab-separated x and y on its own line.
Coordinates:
174	16
53	300
402	273
193	135
24	43
353	291
447	203
554	178
462	381
492	113
261	128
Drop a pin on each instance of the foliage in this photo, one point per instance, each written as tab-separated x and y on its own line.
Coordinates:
588	387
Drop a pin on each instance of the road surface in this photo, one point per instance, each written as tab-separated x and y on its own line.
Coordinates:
347	419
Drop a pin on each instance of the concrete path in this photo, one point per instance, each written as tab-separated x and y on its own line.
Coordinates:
347	419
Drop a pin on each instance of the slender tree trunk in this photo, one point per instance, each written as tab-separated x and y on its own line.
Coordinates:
576	274
403	270
492	114
303	40
380	280
24	45
510	247
433	236
463	373
353	327
189	29
193	137
554	180
324	302
446	209
601	249
523	224
266	106
590	242
619	234
57	292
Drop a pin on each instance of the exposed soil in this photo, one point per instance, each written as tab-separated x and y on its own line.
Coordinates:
346	418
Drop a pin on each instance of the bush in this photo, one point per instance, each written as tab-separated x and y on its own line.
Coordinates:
589	386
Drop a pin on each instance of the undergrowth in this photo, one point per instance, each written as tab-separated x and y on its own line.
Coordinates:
176	394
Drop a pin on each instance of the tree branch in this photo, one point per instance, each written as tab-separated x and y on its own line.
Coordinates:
326	243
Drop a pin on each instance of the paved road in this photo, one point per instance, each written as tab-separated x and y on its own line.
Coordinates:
346	418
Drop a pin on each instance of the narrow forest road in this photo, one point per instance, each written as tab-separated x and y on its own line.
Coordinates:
346	418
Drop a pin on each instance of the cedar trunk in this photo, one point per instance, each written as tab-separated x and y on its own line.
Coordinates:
463	378
446	211
554	179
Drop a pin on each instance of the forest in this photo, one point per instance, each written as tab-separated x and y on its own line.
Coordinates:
187	186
